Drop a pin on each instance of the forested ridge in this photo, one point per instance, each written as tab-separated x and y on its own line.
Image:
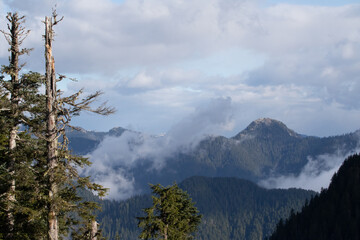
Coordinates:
231	208
265	148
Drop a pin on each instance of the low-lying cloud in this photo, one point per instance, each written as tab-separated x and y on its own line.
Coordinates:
315	175
116	157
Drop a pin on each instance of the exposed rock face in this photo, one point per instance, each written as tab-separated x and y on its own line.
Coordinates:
267	127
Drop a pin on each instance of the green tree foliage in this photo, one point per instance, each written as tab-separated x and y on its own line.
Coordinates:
231	208
39	179
334	214
173	215
21	211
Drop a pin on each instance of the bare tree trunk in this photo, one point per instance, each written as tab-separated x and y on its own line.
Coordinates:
166	232
52	161
11	194
94	230
57	118
15	32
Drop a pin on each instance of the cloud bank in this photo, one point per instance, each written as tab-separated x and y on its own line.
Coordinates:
315	175
116	157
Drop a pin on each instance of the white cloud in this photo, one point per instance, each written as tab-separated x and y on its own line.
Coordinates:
119	186
116	157
142	80
105	36
315	175
156	55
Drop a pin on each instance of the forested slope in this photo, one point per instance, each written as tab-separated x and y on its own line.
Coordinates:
232	209
334	214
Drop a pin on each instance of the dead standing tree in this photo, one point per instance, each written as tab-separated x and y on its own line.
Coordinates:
15	38
62	172
51	129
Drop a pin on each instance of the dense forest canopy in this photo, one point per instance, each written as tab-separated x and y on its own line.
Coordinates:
333	214
232	209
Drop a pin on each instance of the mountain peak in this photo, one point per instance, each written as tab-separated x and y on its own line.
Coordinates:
116	131
266	127
266	121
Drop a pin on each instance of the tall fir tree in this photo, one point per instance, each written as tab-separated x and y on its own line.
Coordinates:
173	215
14	38
18	95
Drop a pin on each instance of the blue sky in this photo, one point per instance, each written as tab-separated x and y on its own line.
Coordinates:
159	62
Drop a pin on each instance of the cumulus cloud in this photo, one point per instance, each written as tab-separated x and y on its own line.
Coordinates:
160	54
311	53
139	33
315	175
116	157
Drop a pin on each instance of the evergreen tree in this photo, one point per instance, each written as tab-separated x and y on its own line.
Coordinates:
15	37
18	96
334	214
231	209
38	174
173	215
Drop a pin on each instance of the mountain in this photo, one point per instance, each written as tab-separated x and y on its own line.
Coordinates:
232	209
267	128
265	148
334	214
83	142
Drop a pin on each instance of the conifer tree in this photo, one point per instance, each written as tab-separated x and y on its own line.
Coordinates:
45	204
14	38
173	215
17	97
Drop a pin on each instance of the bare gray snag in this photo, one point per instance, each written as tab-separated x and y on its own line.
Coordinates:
51	131
59	111
94	230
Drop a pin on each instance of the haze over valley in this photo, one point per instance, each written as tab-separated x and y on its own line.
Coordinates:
266	152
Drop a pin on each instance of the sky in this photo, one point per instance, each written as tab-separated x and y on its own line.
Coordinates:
160	61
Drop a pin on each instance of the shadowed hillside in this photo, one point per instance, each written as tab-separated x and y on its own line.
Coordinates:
231	208
334	214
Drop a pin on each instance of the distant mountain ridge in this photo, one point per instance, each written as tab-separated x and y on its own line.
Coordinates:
83	141
265	148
